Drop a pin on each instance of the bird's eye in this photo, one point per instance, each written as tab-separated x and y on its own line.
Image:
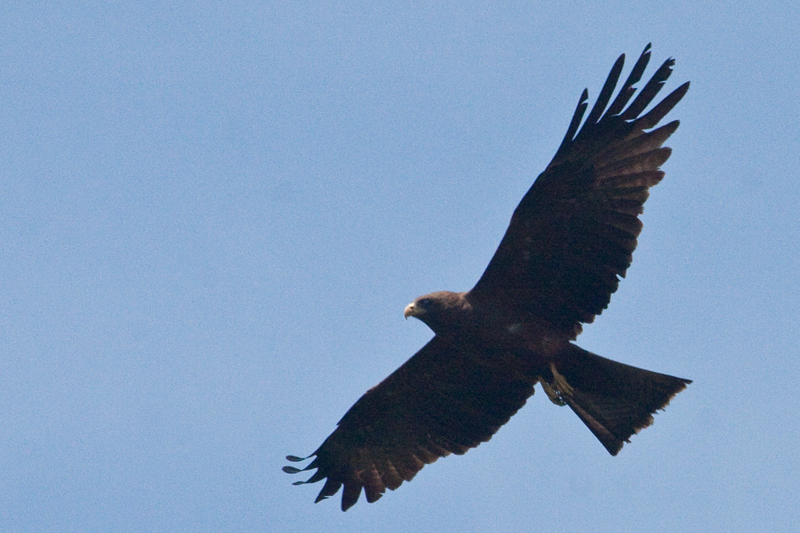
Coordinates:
424	302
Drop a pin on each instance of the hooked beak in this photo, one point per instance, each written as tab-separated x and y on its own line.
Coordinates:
411	310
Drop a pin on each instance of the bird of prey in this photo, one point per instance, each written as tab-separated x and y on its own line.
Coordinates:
567	245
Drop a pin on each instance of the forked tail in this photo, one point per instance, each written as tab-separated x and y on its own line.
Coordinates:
613	399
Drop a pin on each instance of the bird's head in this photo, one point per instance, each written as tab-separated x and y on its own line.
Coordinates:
438	310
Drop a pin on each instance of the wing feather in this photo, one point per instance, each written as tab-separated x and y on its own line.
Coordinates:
572	235
650	91
627	90
606	91
448	398
576	121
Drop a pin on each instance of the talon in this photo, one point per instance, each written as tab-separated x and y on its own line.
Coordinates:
558	388
551	393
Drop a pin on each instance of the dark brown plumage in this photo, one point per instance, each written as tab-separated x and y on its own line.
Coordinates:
568	243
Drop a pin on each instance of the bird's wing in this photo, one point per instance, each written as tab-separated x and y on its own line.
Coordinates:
447	398
572	235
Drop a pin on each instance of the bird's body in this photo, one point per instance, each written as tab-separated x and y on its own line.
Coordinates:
569	241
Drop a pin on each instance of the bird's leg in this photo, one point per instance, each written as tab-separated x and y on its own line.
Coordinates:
552	394
561	382
558	388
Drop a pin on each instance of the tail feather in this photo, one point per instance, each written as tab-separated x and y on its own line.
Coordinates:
613	399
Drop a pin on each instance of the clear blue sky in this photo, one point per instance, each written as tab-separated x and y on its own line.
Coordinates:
212	216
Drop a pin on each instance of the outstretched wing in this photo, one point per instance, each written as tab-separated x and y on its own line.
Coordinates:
572	236
445	399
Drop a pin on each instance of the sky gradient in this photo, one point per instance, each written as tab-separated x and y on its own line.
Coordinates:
212	217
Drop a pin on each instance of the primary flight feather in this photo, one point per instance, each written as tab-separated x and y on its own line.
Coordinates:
569	242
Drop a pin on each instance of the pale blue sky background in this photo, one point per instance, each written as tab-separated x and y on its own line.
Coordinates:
213	214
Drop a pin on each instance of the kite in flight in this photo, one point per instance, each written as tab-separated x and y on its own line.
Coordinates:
568	243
